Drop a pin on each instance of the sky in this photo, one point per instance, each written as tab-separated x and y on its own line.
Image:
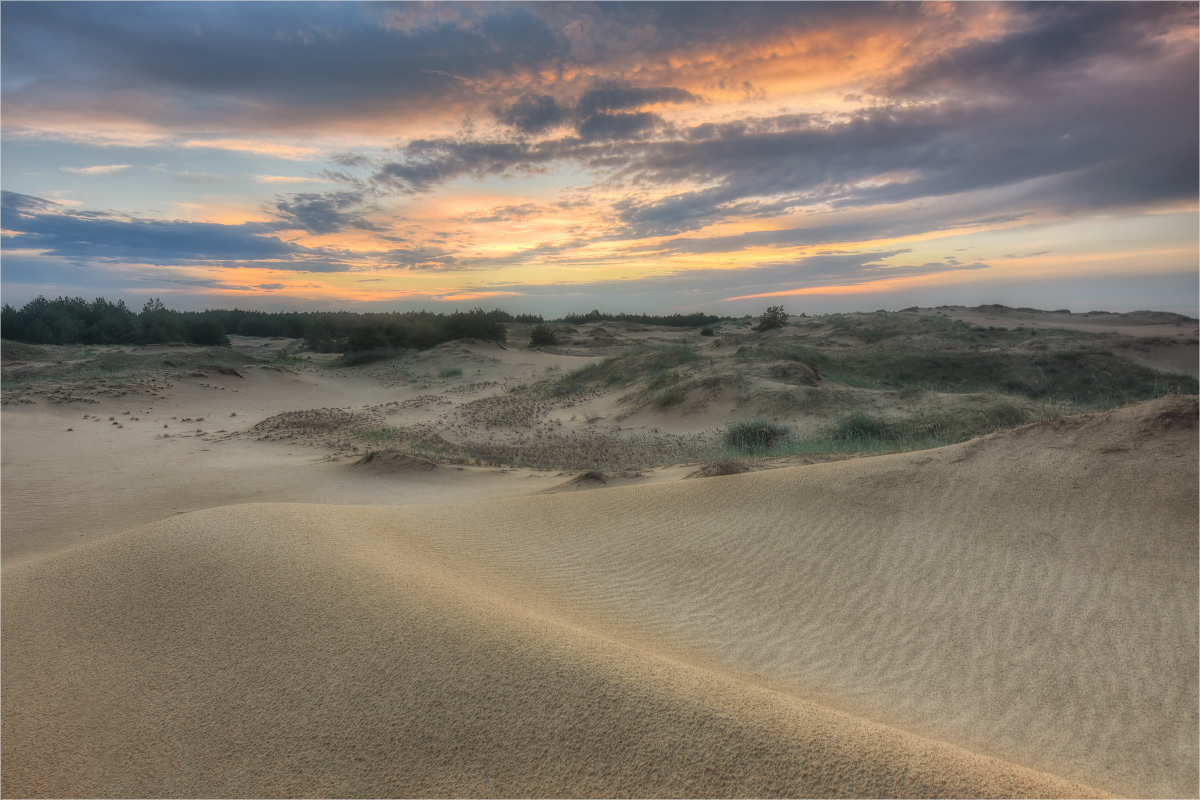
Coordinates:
638	157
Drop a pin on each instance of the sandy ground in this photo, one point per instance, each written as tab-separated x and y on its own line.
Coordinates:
208	614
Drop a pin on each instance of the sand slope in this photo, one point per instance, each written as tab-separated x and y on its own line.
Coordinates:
1030	596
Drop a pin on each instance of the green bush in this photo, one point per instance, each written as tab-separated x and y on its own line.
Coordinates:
707	332
542	336
773	317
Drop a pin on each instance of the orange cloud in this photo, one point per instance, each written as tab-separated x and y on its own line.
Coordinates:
288	151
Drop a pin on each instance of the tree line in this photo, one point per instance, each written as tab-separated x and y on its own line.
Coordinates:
74	320
693	320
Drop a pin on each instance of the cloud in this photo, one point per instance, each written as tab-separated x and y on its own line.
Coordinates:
593	115
1045	46
623	98
31	223
106	169
425	163
1084	154
276	149
14	204
707	288
619	126
324	213
228	67
509	213
533	113
431	259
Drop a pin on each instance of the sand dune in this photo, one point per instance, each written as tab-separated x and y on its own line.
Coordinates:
1014	615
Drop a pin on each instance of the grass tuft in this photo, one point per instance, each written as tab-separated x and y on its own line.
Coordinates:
756	435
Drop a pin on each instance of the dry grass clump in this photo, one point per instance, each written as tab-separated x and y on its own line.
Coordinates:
546	447
523	407
331	427
718	469
588	450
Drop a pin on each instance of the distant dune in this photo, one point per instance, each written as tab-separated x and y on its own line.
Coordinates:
1014	615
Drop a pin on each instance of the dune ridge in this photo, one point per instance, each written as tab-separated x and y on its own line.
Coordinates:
1020	599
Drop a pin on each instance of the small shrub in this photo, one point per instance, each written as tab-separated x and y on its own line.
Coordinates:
707	332
773	317
756	435
542	336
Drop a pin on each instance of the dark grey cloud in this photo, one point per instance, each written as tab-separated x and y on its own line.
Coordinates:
533	113
32	223
14	204
431	259
624	98
350	160
607	112
619	126
424	163
324	212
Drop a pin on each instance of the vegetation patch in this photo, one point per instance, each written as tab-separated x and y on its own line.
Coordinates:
542	336
1088	377
774	317
756	435
623	370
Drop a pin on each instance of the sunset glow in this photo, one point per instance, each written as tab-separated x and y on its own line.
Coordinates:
626	156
